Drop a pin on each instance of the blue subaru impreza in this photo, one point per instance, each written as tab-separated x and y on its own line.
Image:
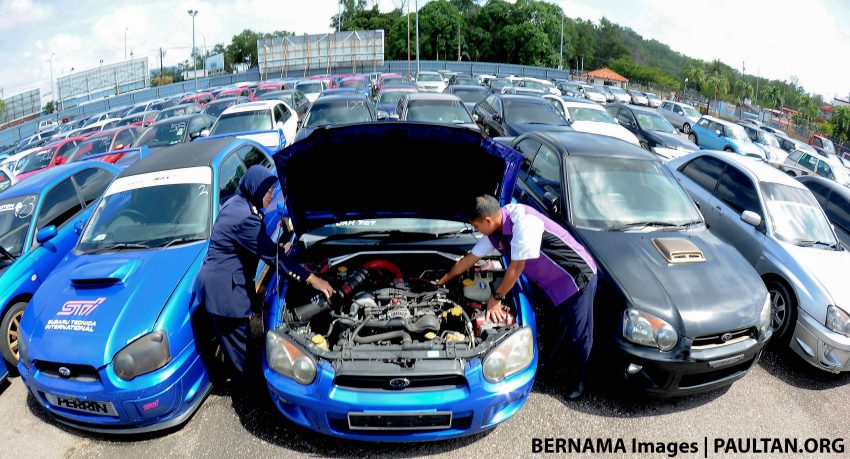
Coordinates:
111	341
378	209
40	221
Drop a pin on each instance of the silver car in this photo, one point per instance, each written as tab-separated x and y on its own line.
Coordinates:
639	98
776	224
768	142
654	100
683	116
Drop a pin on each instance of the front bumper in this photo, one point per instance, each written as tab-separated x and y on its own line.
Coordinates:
477	406
687	372
820	346
155	401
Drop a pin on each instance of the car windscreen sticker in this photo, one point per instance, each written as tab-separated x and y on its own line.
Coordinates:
200	175
22	209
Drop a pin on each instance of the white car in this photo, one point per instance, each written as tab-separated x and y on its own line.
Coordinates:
311	88
620	94
430	82
10	164
264	115
536	83
653	99
592	118
593	94
44	124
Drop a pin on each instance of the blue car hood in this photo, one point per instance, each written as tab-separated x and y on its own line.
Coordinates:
384	170
94	305
721	294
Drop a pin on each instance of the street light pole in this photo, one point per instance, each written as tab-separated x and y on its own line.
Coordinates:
125	43
417	38
561	61
52	87
194	13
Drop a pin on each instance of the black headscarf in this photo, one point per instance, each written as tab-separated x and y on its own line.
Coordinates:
256	183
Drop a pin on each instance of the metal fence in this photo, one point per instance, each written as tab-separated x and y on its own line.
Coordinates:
361	50
20	106
94	83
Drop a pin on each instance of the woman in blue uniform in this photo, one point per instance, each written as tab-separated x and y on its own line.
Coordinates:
237	244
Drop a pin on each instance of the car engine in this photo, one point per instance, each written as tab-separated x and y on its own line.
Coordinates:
375	306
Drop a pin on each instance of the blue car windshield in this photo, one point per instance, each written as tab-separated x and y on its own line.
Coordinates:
796	215
142	214
15	216
606	192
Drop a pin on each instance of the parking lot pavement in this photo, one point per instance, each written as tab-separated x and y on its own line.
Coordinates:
782	397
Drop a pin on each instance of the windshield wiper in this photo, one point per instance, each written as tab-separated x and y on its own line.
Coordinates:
7	254
807	243
117	247
182	240
640	225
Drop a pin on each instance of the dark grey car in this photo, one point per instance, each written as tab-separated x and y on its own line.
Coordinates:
835	201
679	310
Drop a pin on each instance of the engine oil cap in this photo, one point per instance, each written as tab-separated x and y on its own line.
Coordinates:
430	335
317	339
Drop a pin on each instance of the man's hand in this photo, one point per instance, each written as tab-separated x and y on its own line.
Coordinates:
321	285
495	312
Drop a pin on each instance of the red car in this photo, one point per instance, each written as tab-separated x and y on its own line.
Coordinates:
52	154
269	87
201	98
111	140
238	92
330	82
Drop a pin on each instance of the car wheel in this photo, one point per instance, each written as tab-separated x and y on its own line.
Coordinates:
728	149
686	128
693	138
783	311
10	327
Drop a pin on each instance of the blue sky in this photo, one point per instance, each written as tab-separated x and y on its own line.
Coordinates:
779	39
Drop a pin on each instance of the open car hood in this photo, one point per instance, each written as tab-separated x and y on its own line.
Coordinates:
385	170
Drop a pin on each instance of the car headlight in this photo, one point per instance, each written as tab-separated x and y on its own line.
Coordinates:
837	320
23	355
645	329
765	317
513	355
144	355
288	359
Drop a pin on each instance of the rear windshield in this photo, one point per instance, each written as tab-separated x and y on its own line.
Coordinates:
255	120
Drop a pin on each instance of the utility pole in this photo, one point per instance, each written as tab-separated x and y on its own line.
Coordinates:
417	37
408	39
125	43
161	55
339	15
194	13
52	88
561	61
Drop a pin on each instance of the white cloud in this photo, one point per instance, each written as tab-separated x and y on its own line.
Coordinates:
575	9
22	12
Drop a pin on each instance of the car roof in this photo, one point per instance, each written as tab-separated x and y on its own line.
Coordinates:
759	170
338	97
36	183
834	186
431	96
183	155
574	143
186	117
251	106
522	98
718	120
635	108
468	86
398	87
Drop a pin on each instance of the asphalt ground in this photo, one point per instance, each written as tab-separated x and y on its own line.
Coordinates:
782	397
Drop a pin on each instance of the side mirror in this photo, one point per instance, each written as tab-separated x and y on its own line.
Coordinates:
45	234
751	218
475	117
551	201
205	133
497	117
382	115
298	124
394	116
278	125
194	135
59	160
78	227
718	132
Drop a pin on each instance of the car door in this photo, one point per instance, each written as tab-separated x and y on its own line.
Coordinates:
59	207
528	147
627	120
734	194
699	178
838	212
497	122
543	189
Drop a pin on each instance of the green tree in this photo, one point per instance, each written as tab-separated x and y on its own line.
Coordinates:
439	28
695	75
807	112
49	108
716	87
743	91
584	43
609	44
772	96
2	107
841	122
243	48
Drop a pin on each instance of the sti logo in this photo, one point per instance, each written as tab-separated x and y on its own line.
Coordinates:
80	307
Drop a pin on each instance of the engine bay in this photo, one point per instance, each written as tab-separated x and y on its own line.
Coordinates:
378	306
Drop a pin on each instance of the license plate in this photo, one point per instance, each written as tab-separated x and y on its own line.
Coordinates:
726	362
85	406
433	420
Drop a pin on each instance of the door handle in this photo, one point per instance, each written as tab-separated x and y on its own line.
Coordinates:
717	209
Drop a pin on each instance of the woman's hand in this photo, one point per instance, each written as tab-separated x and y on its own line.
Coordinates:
321	285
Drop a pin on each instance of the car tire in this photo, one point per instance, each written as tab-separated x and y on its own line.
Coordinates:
10	326
728	149
693	138
686	128
783	311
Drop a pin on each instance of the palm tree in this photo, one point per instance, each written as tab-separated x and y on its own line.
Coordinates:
695	74
772	94
718	86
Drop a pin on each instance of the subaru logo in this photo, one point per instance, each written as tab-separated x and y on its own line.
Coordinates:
64	372
399	383
726	337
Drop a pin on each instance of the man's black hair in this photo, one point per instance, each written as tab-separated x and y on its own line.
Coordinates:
484	206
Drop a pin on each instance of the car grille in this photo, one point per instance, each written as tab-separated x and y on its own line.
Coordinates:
83	373
717	339
393	383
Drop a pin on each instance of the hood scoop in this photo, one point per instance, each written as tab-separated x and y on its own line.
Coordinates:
677	250
104	273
